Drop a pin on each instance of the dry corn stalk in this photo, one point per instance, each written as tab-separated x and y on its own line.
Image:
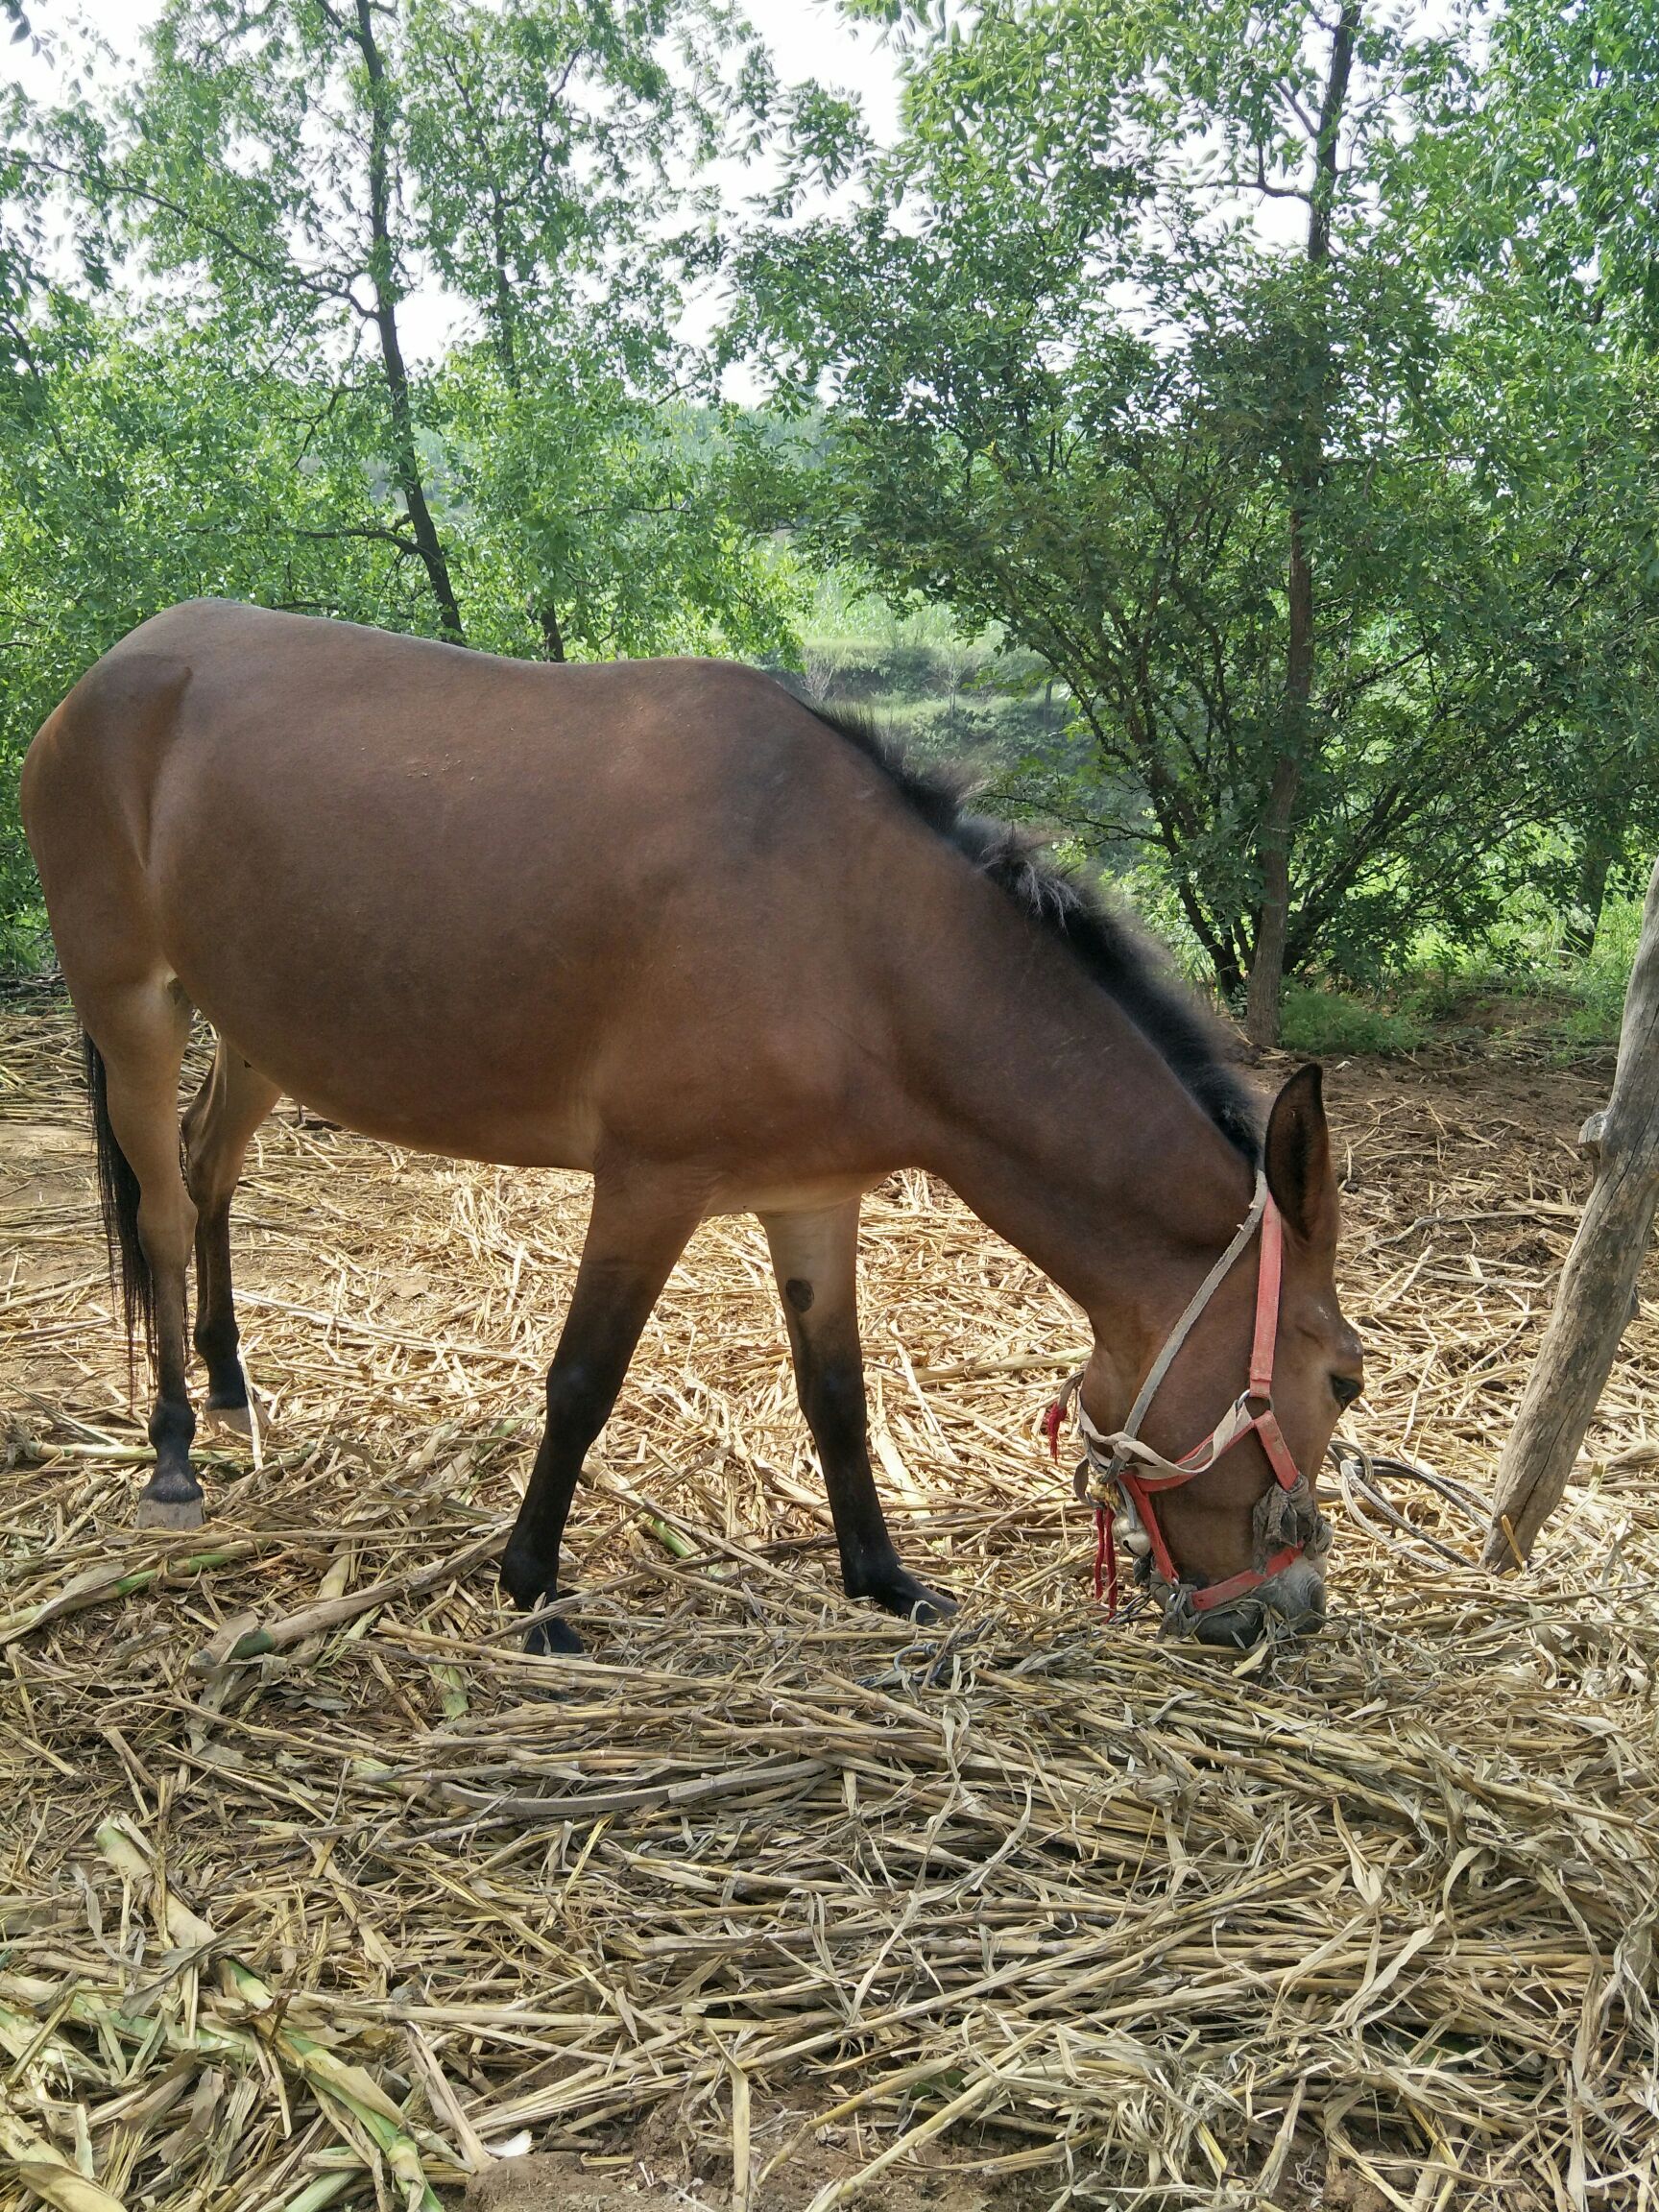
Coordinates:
1023	1897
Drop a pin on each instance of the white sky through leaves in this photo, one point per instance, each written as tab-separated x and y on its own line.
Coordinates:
808	38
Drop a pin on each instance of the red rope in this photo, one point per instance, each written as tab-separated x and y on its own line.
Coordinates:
1051	1420
1105	1563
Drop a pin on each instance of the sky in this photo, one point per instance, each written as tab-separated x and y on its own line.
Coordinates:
809	38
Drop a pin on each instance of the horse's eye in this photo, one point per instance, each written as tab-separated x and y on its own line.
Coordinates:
1345	1389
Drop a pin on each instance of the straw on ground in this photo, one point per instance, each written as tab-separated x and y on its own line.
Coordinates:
311	1894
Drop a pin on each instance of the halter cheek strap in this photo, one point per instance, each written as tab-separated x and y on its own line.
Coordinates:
1123	1462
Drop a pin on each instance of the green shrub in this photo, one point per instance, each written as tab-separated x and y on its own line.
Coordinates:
1604	976
1527	966
1331	1021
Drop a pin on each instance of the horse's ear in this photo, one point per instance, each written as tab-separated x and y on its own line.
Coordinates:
1298	1163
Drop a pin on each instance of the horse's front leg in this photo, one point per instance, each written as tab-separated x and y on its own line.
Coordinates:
640	1221
816	1258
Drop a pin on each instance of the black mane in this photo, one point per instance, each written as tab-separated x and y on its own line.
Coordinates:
1117	954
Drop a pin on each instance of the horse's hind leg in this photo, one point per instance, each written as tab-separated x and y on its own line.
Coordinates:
233	1099
816	1259
139	1032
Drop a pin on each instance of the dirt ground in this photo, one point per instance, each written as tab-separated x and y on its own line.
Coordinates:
316	1891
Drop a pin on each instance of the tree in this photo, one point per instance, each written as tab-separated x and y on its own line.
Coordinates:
1312	376
235	411
316	161
1554	249
547	141
604	523
1238	488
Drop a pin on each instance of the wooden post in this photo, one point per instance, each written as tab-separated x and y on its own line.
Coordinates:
1597	1294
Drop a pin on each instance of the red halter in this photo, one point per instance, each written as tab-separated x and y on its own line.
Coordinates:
1251	1414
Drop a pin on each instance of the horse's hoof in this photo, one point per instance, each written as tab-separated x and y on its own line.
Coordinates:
169	1512
236	1417
931	1606
911	1601
553	1639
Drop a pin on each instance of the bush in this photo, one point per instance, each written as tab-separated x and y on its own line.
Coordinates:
1329	1022
1526	969
1604	976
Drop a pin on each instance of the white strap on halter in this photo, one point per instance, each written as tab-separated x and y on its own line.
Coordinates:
1125	1443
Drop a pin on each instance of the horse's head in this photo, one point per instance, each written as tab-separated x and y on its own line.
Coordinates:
1215	1469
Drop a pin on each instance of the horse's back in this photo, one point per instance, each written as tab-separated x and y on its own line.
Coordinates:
442	894
313	703
218	742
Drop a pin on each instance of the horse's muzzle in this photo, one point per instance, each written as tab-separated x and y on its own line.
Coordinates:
1291	1603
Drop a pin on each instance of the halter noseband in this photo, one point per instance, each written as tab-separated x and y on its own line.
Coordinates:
1109	1458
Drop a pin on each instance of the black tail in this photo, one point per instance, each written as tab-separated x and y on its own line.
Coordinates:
118	1201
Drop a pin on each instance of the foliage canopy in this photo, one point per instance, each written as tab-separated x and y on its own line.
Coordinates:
1338	536
1267	386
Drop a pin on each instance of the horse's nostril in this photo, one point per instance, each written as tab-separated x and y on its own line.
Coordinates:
1298	1598
1236	1625
1294	1600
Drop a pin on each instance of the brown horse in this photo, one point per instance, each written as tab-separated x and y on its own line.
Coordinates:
661	923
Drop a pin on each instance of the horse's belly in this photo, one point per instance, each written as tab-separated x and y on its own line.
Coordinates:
481	1073
434	968
544	1132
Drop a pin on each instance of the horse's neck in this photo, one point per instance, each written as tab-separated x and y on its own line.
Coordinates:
1064	1130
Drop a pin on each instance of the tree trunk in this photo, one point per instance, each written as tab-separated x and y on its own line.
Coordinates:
1273	915
406	453
1603	842
1229	976
1276	831
1598	1291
